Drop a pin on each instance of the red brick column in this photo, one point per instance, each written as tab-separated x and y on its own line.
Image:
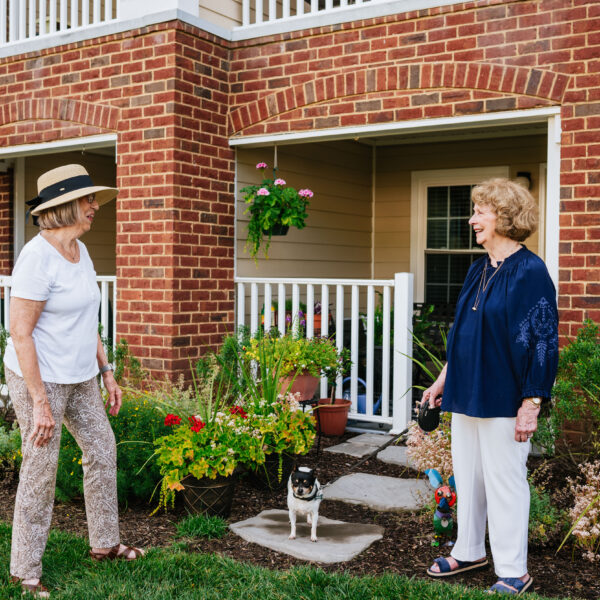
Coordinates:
6	222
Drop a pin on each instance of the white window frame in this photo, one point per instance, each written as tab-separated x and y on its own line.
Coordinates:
420	181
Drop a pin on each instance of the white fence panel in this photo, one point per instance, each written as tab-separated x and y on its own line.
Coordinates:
373	318
108	304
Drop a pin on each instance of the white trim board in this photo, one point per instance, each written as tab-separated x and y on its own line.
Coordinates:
83	143
420	181
512	117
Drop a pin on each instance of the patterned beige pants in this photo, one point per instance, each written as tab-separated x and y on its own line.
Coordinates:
81	408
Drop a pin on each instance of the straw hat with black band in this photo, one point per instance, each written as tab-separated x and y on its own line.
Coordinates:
65	184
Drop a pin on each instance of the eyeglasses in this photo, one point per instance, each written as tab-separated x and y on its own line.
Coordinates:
91	198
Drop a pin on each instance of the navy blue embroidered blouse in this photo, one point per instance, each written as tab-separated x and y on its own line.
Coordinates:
507	349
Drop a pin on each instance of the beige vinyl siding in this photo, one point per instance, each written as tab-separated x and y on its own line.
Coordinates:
101	240
336	241
393	185
228	13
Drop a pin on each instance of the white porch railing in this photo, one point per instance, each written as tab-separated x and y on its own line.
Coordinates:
108	303
22	20
394	312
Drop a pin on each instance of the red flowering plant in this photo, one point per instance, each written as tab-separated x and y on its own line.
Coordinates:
211	436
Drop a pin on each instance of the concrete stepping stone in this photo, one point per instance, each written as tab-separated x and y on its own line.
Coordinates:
386	494
361	445
338	541
396	455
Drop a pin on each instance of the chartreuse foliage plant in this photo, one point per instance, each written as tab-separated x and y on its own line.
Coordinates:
175	574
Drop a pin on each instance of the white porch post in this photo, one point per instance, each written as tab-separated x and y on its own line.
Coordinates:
552	212
403	309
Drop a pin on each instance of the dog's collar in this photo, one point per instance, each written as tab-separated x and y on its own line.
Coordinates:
314	496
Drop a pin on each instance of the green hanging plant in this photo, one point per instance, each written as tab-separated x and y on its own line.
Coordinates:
273	209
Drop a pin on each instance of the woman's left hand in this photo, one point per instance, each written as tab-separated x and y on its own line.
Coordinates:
114	393
526	424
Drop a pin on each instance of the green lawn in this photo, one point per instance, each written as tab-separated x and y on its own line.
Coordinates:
173	573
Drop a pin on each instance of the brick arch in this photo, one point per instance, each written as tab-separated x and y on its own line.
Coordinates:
61	109
539	83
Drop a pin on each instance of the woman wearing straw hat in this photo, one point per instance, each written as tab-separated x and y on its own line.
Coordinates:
52	359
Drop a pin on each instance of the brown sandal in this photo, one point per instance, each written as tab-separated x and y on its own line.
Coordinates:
36	589
114	553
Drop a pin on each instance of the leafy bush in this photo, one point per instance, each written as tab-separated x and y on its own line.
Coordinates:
202	526
136	427
576	392
10	447
545	520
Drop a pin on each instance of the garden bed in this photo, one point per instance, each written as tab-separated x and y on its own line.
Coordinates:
405	548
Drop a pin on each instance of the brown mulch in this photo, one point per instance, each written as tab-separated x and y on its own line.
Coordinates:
405	548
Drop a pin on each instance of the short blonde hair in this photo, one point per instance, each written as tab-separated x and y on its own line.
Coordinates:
516	210
62	215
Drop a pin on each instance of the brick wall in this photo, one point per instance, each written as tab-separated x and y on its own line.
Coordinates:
6	222
174	94
467	58
163	90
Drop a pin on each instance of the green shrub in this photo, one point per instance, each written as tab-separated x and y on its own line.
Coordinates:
10	447
576	392
202	526
136	427
545	520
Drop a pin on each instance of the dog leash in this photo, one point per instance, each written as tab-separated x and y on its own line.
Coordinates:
369	456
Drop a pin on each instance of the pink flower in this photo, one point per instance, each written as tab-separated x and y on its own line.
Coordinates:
279	182
305	193
171	420
262	192
196	424
261	165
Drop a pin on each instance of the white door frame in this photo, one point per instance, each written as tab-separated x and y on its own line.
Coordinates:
420	181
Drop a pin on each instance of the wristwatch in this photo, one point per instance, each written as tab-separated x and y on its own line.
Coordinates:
536	401
106	367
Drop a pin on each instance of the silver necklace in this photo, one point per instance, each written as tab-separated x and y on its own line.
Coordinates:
483	284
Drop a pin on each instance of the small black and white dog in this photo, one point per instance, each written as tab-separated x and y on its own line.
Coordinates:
304	497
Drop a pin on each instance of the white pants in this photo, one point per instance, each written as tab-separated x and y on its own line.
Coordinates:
491	481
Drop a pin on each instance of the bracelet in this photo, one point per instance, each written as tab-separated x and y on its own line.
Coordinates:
106	367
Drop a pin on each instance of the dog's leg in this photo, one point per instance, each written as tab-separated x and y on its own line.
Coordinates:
293	524
309	518
313	529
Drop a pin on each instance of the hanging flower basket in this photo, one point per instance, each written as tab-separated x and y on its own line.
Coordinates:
211	497
273	207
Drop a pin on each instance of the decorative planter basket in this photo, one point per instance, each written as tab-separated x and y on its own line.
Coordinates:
280	229
274	473
211	497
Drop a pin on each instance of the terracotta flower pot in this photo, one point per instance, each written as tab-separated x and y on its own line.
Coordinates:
304	384
332	418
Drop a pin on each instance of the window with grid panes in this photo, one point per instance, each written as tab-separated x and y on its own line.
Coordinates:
451	245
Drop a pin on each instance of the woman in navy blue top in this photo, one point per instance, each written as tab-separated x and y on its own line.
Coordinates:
502	358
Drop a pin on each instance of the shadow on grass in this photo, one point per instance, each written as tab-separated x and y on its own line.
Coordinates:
174	574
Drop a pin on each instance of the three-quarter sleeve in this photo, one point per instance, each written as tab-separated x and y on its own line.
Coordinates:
532	316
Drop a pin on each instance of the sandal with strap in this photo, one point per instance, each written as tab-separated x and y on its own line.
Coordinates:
463	565
513	586
116	552
37	590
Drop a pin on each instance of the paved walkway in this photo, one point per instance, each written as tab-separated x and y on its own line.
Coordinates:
340	541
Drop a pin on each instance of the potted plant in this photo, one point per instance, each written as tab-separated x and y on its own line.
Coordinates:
273	413
273	209
332	412
211	439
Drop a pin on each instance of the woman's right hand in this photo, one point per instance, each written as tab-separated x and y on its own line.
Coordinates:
43	424
433	394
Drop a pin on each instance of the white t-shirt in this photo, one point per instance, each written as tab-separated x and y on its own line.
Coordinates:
66	334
